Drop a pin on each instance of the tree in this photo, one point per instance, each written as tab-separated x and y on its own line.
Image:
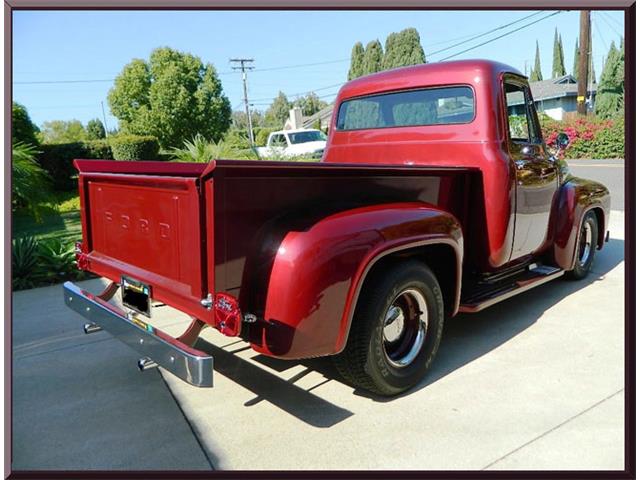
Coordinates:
278	111
403	49
22	128
610	94
173	96
239	119
310	104
372	62
357	59
95	129
63	131
557	69
536	73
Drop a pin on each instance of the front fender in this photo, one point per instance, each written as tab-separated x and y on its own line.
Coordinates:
576	197
317	273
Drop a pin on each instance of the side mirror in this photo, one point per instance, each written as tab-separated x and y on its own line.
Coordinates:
562	141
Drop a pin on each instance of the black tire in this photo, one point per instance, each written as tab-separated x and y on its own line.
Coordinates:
374	359
586	248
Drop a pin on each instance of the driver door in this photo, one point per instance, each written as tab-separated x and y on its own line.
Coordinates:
536	171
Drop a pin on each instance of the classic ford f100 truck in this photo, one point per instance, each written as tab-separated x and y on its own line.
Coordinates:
436	195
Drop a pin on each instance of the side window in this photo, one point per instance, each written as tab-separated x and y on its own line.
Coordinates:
520	114
278	141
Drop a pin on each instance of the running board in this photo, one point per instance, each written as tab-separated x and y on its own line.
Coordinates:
484	298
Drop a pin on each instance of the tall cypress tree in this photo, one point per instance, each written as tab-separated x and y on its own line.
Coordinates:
536	73
357	60
610	94
403	49
557	69
372	62
390	51
564	70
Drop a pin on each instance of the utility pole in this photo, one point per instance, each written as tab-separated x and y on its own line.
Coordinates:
583	61
104	119
244	67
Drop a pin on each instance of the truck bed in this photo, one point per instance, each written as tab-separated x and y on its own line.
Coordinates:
192	230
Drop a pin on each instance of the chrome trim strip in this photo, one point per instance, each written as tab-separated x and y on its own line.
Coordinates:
187	363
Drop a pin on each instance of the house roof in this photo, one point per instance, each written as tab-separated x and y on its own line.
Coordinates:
322	115
566	86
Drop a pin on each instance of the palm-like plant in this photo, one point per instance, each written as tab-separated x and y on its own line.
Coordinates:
30	184
202	151
24	263
56	259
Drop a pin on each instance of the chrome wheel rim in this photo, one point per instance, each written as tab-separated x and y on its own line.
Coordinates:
405	328
586	241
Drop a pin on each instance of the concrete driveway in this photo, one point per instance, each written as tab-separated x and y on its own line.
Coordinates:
535	382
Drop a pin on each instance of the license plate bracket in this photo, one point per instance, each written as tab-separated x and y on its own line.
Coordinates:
136	295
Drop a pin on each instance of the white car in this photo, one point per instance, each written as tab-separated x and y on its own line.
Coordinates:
290	143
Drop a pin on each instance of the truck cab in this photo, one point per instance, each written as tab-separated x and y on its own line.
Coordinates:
291	143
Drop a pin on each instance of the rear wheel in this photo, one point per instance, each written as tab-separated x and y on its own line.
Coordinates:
587	243
395	332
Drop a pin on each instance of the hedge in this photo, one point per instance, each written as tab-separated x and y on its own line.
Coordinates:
134	147
57	159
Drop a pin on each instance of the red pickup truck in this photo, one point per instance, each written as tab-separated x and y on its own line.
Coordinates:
436	195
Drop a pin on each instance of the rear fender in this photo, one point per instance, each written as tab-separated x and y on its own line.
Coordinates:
317	273
576	198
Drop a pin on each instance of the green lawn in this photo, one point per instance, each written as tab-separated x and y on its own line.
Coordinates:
60	219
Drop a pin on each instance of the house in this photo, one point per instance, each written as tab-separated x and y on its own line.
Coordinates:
557	96
297	120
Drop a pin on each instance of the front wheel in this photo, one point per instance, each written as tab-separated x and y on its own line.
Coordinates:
395	332
587	243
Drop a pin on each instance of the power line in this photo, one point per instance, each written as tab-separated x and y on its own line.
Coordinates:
613	19
499	37
501	27
604	44
613	29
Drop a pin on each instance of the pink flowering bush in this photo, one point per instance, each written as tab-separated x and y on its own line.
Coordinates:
589	137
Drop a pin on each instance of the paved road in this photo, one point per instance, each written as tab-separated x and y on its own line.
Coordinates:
533	383
608	172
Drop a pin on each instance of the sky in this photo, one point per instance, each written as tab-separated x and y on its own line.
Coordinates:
86	50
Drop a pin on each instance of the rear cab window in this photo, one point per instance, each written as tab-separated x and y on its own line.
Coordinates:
428	106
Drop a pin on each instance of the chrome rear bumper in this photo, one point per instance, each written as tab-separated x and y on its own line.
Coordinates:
191	365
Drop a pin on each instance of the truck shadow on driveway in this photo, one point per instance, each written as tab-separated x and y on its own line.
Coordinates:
466	337
282	393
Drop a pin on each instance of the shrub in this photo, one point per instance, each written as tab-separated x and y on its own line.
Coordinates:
56	260
30	185
589	137
23	129
262	135
35	263
95	130
134	147
24	261
57	160
201	150
99	149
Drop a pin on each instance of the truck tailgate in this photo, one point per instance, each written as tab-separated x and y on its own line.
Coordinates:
150	227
